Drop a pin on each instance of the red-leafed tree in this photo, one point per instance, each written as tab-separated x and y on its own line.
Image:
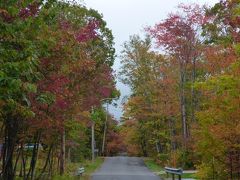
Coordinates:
178	35
62	69
76	79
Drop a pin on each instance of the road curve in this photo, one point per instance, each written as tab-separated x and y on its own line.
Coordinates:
124	168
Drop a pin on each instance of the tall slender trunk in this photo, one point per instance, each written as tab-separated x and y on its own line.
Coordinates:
23	165
62	154
172	134
105	131
183	103
31	172
50	171
69	155
231	165
157	146
35	162
193	93
93	141
48	160
4	151
144	147
16	162
11	130
143	139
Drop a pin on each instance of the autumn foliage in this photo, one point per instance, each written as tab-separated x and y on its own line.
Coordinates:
184	107
56	60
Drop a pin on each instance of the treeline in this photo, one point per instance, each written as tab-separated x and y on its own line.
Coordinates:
55	72
185	79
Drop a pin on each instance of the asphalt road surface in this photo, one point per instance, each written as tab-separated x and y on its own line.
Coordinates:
124	168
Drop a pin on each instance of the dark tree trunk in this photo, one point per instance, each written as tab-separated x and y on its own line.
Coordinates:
158	148
231	166
11	130
144	147
23	166
50	171
62	154
47	162
34	156
16	162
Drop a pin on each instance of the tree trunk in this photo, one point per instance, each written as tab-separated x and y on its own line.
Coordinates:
16	162
104	138
50	171
48	160
193	93
105	131
93	141
23	166
4	150
31	172
144	147
62	154
157	147
172	134
11	130
69	155
183	104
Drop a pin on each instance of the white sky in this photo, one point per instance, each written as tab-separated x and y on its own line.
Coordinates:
128	17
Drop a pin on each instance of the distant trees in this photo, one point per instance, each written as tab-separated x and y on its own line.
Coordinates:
55	66
184	108
152	78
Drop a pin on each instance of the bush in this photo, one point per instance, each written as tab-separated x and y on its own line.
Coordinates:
212	170
162	159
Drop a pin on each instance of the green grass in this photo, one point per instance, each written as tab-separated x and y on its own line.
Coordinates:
193	176
89	166
189	176
154	167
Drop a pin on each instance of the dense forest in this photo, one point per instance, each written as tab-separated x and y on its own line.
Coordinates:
57	80
55	75
185	80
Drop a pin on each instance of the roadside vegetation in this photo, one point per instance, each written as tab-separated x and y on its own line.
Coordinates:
55	77
152	165
90	167
185	77
159	170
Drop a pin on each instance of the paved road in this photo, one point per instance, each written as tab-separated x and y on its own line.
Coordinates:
124	168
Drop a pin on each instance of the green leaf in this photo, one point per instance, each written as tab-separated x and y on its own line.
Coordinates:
46	98
29	87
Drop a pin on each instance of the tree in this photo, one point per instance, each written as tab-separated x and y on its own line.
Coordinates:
56	65
20	53
179	36
217	133
151	107
83	76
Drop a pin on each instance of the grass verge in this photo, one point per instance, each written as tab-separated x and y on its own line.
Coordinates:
157	169
89	166
188	176
152	165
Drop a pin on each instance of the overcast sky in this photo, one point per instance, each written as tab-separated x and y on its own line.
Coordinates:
128	17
